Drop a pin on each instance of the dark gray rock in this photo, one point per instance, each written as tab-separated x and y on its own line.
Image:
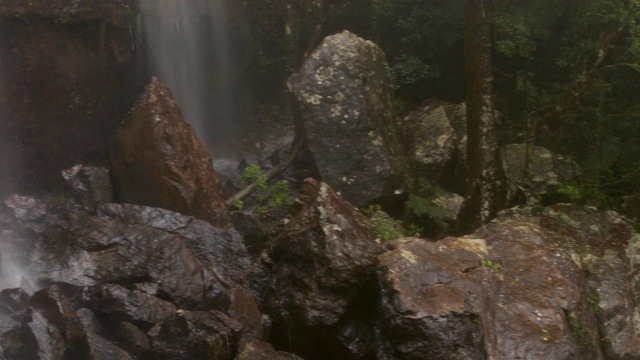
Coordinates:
99	250
222	249
343	95
435	137
263	351
117	302
206	335
53	330
547	170
323	257
90	186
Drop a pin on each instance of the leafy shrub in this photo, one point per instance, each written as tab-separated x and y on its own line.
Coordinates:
266	198
384	226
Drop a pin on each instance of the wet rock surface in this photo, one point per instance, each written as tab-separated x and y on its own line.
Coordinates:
346	115
118	12
156	285
158	161
132	282
71	70
323	256
528	285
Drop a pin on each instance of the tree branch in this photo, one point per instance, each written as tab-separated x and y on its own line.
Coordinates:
583	83
272	173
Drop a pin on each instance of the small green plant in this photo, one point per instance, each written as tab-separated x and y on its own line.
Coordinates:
490	264
572	192
384	226
421	212
266	198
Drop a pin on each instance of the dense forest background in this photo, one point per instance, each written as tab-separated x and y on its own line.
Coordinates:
566	73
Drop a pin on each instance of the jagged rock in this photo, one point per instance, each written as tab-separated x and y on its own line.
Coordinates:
436	138
117	302
86	52
90	186
342	90
244	309
13	300
451	204
551	284
206	335
609	251
103	251
134	340
263	351
53	330
13	303
432	140
424	289
546	170
219	248
158	161
323	257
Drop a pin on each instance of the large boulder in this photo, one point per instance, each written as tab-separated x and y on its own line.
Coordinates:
556	284
323	257
321	264
122	282
158	161
528	180
70	72
436	137
347	119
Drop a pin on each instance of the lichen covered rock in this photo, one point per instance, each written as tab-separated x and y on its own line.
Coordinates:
323	257
557	283
346	116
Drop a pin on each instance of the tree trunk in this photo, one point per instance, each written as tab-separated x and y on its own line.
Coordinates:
485	178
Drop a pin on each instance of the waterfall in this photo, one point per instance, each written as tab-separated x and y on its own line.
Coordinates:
12	272
190	52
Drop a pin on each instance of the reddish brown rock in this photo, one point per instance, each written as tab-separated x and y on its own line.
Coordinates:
118	12
158	160
70	72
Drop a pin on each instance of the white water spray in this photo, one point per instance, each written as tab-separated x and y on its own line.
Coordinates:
190	52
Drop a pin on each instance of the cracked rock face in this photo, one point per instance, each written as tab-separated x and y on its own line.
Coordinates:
342	91
554	284
323	258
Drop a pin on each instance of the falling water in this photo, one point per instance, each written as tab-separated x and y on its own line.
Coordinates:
191	53
11	272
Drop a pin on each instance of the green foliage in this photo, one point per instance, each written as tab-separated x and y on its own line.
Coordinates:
585	193
384	226
418	38
490	264
572	192
422	214
266	198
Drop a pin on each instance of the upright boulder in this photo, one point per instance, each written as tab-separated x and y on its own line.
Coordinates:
158	161
323	258
436	140
346	116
